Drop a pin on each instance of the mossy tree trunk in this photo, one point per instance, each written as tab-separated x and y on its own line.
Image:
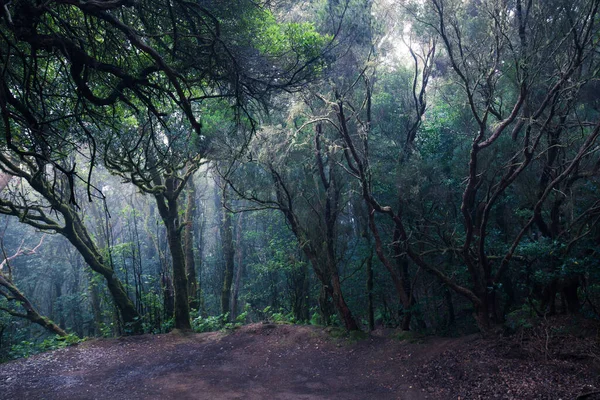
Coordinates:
76	233
31	313
168	209
69	225
188	245
321	252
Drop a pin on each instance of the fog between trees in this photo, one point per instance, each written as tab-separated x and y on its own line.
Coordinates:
429	165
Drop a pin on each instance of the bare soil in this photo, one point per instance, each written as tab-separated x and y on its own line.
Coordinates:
267	361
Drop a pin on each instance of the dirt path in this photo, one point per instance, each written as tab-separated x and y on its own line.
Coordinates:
256	362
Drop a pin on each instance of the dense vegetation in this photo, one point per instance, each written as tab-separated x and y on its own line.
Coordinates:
429	165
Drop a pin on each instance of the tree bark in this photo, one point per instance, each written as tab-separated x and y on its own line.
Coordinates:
320	253
570	296
77	234
182	311
305	292
228	256
31	313
130	316
370	308
59	306
166	284
239	255
482	315
169	213
188	245
95	304
338	299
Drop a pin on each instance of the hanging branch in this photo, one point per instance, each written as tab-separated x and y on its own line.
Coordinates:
14	294
20	251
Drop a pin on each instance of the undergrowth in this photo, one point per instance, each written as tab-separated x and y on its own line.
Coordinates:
27	348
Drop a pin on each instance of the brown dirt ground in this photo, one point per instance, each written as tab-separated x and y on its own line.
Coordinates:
266	361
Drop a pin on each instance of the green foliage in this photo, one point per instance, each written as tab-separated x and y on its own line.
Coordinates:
279	316
167	325
241	319
409	336
315	318
338	332
536	248
27	348
128	328
106	330
356	336
290	42
215	323
209	324
521	318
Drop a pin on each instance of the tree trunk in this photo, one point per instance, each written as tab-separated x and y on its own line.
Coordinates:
199	242
549	291
188	245
306	293
450	305
122	301
347	317
370	308
228	255
76	313
168	210
77	234
130	316
168	295
482	316
403	283
31	313
400	278
182	311
95	304
325	307
321	255
569	294
59	304
239	255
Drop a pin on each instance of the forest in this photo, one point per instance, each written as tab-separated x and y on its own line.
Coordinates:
431	166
